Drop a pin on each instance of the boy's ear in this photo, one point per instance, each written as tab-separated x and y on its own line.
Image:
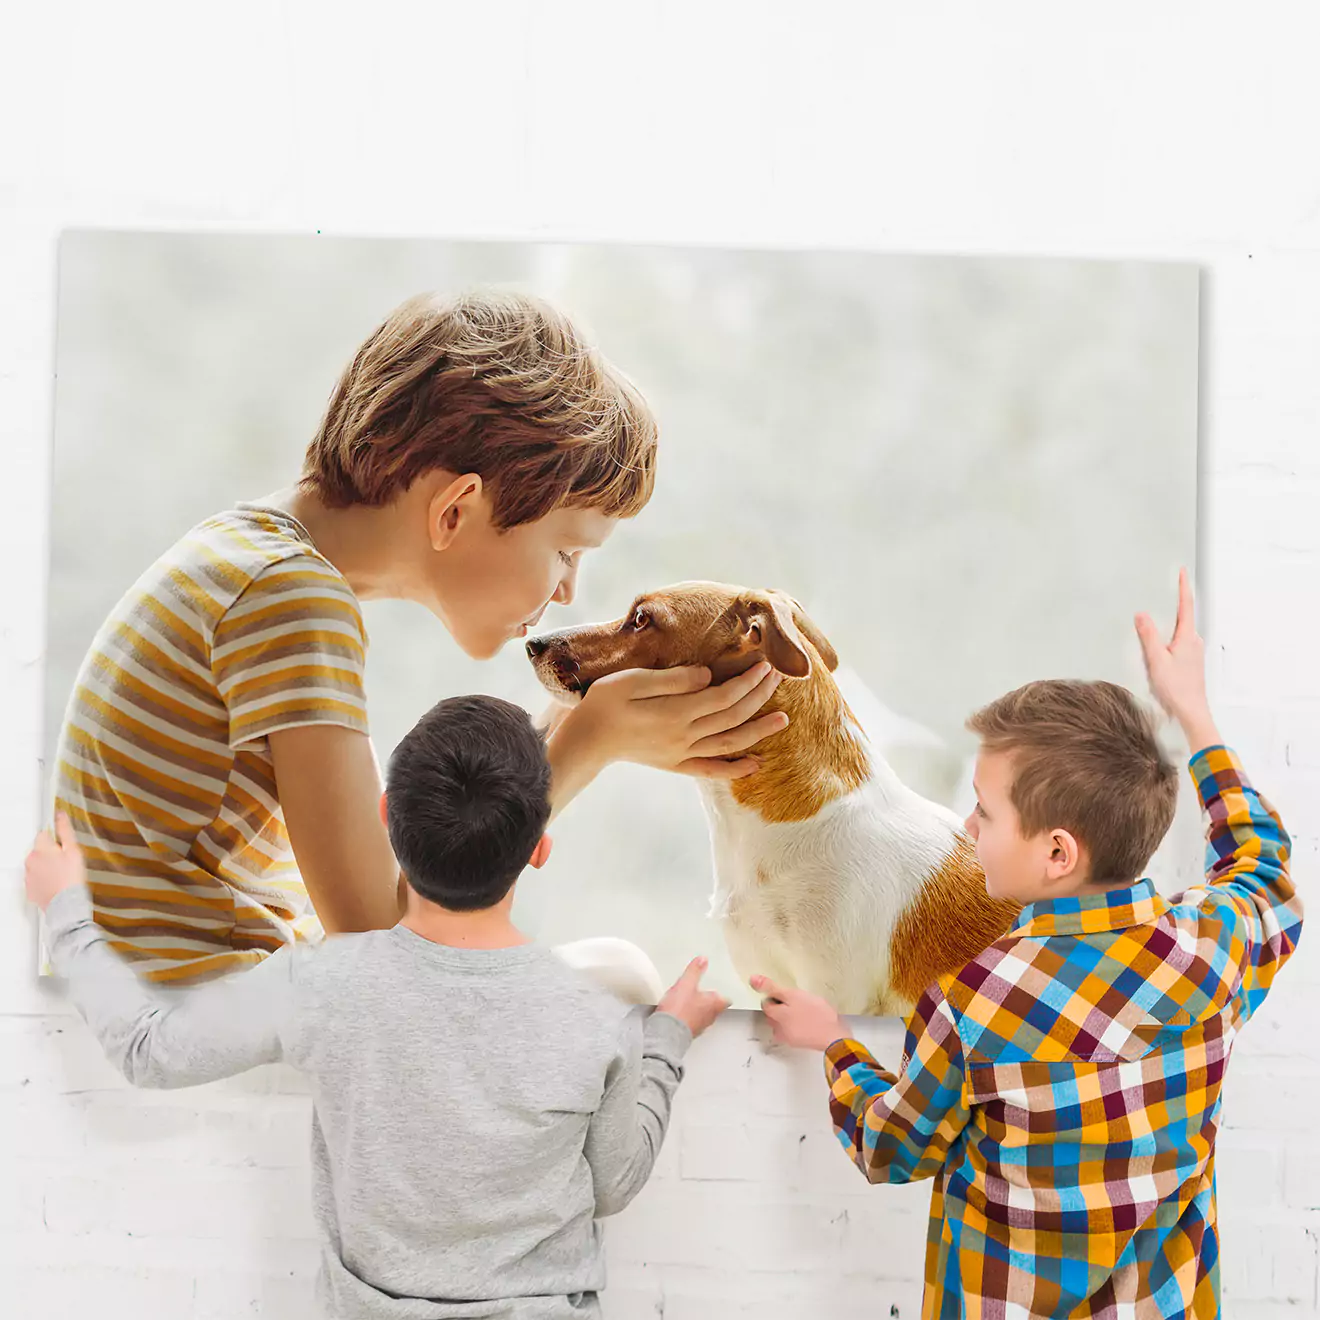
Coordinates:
1065	860
541	853
384	811
449	505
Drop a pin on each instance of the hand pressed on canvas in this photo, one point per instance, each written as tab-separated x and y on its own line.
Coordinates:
689	1003
799	1019
54	864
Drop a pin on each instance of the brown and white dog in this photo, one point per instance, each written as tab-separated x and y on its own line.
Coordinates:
830	874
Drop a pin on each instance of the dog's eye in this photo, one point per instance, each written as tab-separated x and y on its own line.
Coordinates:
640	619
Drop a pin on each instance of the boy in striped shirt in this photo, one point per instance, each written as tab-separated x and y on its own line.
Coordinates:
1064	1088
214	757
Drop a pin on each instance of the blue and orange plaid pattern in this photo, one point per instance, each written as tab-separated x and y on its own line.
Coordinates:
1063	1089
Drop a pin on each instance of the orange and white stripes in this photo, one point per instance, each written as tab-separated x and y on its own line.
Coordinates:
240	629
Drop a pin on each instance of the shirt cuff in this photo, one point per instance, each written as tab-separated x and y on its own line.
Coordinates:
844	1054
1214	768
69	908
666	1036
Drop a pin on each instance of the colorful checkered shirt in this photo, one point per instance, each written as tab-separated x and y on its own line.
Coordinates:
1063	1089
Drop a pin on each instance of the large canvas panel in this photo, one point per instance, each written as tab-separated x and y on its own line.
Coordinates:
970	470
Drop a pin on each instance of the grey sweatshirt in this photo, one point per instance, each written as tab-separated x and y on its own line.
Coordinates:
474	1111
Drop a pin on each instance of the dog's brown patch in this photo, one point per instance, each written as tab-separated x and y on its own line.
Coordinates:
952	920
813	761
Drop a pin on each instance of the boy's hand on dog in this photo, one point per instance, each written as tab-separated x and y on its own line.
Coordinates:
674	719
799	1019
54	864
1177	670
689	1003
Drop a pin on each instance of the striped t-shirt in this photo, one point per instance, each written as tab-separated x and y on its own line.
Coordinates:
241	629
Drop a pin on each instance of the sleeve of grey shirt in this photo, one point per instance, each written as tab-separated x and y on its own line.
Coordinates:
627	1130
180	1038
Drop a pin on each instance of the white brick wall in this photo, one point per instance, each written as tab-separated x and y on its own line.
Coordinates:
1184	131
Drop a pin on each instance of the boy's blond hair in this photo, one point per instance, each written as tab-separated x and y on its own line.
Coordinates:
1085	759
493	382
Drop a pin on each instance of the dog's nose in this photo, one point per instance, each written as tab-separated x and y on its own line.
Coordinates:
536	646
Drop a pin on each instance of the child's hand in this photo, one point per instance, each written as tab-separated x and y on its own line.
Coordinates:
53	865
804	1021
1177	671
673	719
689	1003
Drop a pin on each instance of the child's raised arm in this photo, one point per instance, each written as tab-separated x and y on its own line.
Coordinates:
1250	895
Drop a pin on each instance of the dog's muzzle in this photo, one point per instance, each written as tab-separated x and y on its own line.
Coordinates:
557	663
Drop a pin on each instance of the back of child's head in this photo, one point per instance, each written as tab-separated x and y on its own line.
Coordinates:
493	382
1085	758
467	799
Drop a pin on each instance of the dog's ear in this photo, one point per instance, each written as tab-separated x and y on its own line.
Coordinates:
768	619
809	630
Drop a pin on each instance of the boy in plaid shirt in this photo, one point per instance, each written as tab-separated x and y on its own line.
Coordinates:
1063	1089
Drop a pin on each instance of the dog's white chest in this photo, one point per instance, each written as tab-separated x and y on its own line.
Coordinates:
805	897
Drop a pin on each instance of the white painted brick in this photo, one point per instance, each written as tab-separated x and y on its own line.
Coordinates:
227	1295
290	1296
270	1132
713	1152
1295	1257
1237	1309
1248	1170
45	1130
115	1294
761	1148
748	1225
192	1202
1245	1264
1277	1096
1282	1021
1270	1256
21	1199
626	1302
1301	1174
711	1294
110	1248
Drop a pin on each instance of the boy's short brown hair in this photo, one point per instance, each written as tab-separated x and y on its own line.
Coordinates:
493	382
1085	759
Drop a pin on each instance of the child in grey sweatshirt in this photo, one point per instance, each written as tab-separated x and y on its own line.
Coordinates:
477	1104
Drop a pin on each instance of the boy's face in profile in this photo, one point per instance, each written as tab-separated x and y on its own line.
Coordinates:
491	586
1022	870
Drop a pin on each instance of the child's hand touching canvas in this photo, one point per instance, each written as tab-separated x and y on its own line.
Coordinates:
689	1003
54	864
803	1021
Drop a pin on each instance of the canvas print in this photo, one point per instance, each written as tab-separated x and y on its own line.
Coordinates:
907	484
